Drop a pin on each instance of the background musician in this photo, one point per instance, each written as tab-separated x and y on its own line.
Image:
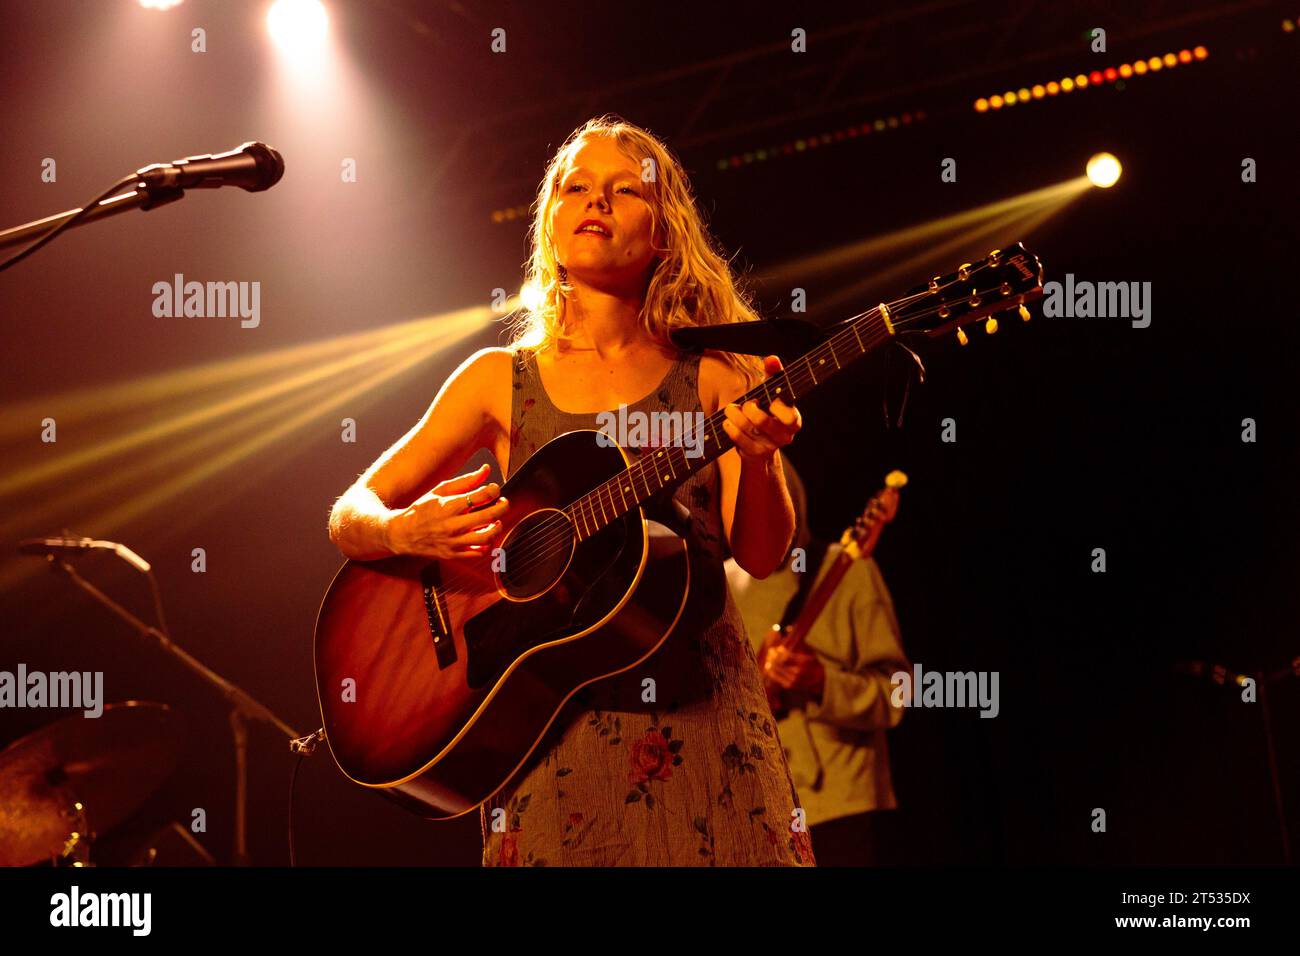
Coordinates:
834	735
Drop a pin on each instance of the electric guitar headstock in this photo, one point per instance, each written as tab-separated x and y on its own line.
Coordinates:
860	538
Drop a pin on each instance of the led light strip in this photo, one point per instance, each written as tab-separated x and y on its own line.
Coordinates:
1082	81
791	147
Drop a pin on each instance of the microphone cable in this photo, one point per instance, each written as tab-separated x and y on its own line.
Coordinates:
70	221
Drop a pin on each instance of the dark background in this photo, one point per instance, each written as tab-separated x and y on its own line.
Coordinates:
1072	434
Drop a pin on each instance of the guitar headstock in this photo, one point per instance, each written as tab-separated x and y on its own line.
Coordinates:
1005	279
860	538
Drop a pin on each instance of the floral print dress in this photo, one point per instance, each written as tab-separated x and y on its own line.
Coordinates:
687	771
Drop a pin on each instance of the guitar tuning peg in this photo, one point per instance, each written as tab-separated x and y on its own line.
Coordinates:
961	336
991	325
1024	314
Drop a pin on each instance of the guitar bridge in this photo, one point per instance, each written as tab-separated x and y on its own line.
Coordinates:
435	610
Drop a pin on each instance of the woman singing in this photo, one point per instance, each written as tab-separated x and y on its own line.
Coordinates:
675	762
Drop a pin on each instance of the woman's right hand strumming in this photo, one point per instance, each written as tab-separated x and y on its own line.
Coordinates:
458	519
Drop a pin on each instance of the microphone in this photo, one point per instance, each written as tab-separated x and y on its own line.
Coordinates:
74	547
253	166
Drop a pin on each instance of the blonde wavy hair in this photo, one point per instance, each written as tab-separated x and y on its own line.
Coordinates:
692	284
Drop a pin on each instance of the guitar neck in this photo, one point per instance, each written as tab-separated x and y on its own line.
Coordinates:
667	467
820	596
1006	278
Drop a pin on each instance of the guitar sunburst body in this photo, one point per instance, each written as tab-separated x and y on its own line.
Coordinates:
437	679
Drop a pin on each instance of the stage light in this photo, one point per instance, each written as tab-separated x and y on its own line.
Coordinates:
160	4
897	254
531	298
173	433
1104	170
841	135
1094	78
297	26
933	243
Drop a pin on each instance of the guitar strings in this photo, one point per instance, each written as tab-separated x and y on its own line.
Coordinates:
554	530
586	506
547	534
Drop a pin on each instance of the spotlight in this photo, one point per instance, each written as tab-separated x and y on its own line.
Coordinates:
531	298
297	26
1104	170
160	4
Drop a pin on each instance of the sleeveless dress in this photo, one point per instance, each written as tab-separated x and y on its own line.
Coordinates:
695	777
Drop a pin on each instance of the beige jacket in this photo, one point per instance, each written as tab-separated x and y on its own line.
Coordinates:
836	748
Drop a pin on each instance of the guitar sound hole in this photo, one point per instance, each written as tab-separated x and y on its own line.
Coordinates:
536	553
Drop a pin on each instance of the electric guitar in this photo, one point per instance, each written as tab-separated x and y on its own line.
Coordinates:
858	542
436	680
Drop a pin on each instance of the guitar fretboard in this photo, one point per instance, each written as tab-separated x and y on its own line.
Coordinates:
667	467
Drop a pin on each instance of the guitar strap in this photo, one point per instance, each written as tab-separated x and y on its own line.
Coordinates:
814	554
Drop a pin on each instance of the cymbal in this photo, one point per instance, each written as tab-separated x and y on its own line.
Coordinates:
109	764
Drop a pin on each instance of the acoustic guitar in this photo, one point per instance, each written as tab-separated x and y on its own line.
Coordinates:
436	680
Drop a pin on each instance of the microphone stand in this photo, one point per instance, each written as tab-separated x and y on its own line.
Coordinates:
242	706
144	197
1221	675
1263	679
252	166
